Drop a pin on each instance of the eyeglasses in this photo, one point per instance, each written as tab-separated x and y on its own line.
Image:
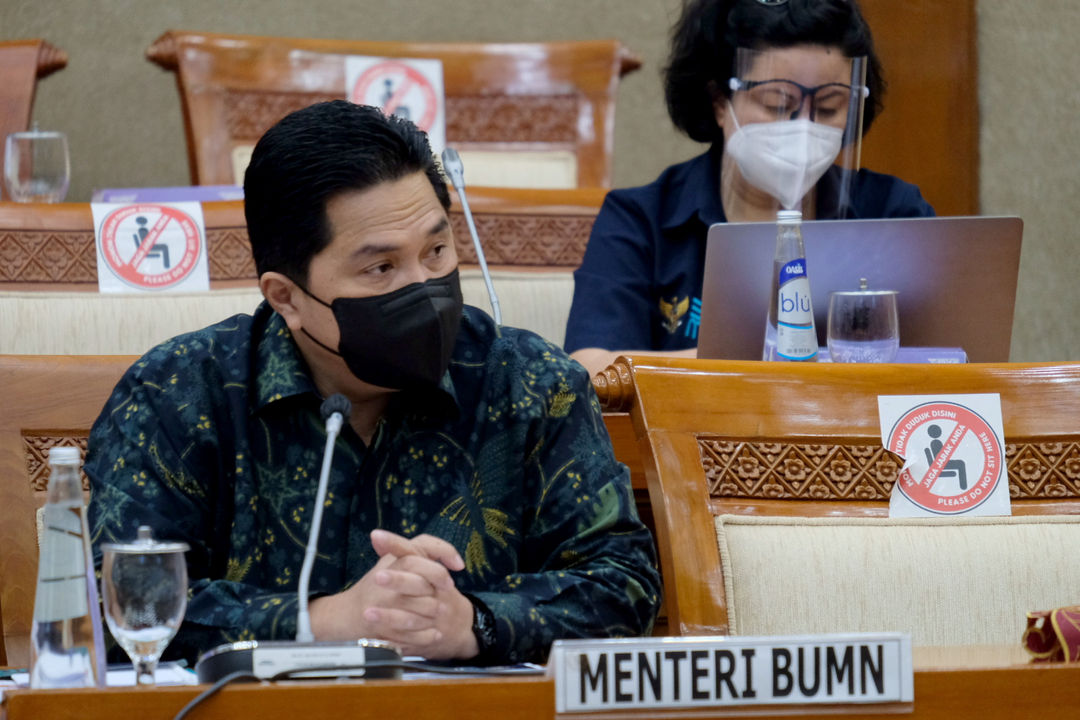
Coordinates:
779	98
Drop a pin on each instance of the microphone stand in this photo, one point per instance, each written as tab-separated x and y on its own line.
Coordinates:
305	657
334	410
456	170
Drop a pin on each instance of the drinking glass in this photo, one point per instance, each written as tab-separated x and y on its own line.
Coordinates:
863	325
36	166
144	589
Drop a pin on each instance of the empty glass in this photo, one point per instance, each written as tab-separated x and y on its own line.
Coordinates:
36	166
863	325
144	589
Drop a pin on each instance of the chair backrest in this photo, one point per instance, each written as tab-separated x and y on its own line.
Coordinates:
745	441
51	247
528	98
22	62
533	240
48	401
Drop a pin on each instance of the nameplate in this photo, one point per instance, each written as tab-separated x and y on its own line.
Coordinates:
593	675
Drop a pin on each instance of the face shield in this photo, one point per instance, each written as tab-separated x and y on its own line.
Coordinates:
794	128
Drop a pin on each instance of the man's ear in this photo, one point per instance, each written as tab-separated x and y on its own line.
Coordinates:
283	295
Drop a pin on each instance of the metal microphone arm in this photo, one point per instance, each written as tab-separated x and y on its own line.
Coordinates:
456	170
334	410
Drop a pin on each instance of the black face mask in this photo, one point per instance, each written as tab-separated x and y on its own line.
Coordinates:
402	339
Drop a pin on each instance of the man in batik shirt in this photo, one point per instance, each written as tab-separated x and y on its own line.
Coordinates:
475	509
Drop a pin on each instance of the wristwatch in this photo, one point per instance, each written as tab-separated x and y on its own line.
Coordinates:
483	627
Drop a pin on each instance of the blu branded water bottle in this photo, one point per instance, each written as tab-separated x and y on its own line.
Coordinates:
790	332
66	641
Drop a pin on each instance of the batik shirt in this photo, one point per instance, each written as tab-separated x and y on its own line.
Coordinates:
214	438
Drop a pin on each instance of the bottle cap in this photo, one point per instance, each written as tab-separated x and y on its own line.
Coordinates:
788	217
63	454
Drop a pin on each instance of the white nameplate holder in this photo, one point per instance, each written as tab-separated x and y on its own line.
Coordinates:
698	672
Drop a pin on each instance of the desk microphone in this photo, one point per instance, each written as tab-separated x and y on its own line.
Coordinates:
334	410
452	164
305	657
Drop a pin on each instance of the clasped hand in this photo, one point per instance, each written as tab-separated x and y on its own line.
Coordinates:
408	598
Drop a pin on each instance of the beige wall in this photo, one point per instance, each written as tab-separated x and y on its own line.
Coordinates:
1029	100
123	118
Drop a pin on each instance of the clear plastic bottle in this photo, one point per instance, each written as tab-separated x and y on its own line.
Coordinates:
66	641
789	331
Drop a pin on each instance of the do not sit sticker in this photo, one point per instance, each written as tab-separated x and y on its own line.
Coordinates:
954	454
150	247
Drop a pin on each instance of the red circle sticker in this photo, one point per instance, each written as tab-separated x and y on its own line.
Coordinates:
960	450
151	247
399	89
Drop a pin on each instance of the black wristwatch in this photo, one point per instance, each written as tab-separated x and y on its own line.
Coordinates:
483	627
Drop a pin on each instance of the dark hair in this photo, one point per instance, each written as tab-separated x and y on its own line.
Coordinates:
704	41
310	156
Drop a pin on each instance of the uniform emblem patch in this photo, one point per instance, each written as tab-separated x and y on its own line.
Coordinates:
673	311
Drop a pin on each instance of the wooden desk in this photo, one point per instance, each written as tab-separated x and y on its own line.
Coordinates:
988	683
526	698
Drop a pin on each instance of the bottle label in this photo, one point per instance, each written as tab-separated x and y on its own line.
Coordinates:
796	338
62	591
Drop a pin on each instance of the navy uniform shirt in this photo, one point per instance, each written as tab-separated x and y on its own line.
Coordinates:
639	285
214	438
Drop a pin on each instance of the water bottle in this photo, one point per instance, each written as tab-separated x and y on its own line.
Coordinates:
790	332
66	642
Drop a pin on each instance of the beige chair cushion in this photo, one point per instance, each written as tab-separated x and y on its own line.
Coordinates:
90	323
534	300
945	581
534	169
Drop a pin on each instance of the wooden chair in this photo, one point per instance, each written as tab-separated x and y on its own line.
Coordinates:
51	246
533	241
786	440
48	401
526	97
22	63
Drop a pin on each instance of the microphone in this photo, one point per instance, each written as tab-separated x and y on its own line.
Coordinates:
454	168
306	657
334	410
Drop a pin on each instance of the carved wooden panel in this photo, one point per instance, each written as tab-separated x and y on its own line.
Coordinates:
54	256
787	471
469	118
249	114
1043	470
513	118
37	448
524	239
69	256
230	254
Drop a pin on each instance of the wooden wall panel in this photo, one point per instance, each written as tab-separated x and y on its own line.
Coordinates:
929	132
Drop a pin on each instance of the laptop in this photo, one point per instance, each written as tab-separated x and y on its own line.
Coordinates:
956	278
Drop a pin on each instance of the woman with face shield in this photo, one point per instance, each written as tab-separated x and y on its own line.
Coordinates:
783	91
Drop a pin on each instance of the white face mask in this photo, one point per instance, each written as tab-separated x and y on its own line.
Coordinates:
784	158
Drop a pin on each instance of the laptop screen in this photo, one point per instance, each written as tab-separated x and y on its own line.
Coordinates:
956	278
